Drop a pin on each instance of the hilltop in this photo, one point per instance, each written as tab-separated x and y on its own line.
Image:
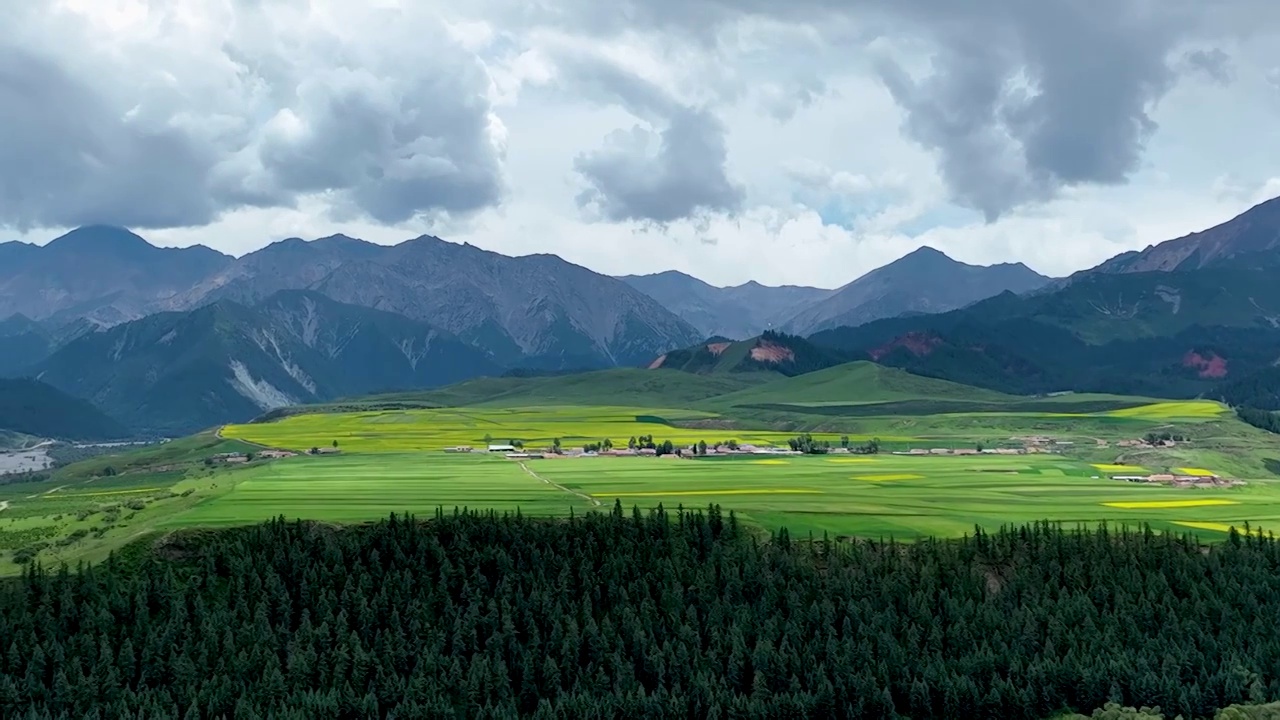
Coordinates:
770	352
857	383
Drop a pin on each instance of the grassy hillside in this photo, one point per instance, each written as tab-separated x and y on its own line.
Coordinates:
858	382
34	408
618	386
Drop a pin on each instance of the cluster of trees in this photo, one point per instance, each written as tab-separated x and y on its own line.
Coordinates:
808	445
870	447
1152	438
665	615
605	444
1261	419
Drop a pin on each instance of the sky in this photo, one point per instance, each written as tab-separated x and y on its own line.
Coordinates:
800	142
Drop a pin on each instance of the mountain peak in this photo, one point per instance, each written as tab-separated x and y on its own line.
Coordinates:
925	251
97	238
1251	238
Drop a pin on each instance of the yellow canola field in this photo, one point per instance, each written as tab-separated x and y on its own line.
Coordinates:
415	430
1206	409
1220	527
1109	468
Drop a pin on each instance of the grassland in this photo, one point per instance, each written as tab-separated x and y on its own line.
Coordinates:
391	462
436	429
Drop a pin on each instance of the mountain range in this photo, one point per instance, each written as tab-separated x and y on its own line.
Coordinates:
741	311
170	340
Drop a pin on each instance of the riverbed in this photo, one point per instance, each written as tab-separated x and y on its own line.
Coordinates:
24	461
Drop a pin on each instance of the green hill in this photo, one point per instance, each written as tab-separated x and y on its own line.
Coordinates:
618	386
34	408
864	388
859	382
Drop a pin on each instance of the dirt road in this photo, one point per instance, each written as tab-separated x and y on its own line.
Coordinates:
558	486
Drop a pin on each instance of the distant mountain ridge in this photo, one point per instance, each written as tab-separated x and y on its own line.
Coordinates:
738	312
106	274
924	281
178	372
1251	239
536	311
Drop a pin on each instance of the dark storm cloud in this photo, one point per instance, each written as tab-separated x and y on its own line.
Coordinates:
130	140
1023	98
66	158
671	172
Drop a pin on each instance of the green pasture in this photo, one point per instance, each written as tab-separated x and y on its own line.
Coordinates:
391	461
908	496
355	488
408	430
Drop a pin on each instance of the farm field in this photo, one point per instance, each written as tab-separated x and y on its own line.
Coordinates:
391	461
355	488
876	496
436	429
910	497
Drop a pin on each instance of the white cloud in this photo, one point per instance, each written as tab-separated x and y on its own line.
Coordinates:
761	137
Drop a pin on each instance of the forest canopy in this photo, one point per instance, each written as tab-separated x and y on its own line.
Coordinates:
666	614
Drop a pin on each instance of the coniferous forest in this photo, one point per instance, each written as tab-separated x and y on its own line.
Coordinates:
642	616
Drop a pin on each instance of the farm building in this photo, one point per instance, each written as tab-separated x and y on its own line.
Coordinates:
276	454
502	448
458	449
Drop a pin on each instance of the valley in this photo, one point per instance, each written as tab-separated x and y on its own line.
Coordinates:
947	458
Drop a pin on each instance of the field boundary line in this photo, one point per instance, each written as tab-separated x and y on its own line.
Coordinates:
558	486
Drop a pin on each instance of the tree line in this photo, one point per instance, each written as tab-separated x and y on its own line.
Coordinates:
665	614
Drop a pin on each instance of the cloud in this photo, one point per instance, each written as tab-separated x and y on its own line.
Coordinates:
66	158
1214	63
673	167
1019	100
187	110
649	176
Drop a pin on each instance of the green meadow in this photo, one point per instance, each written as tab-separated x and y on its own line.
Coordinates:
392	460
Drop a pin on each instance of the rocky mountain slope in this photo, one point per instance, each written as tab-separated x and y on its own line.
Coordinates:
34	408
1251	239
23	342
177	372
740	312
536	311
105	274
924	281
